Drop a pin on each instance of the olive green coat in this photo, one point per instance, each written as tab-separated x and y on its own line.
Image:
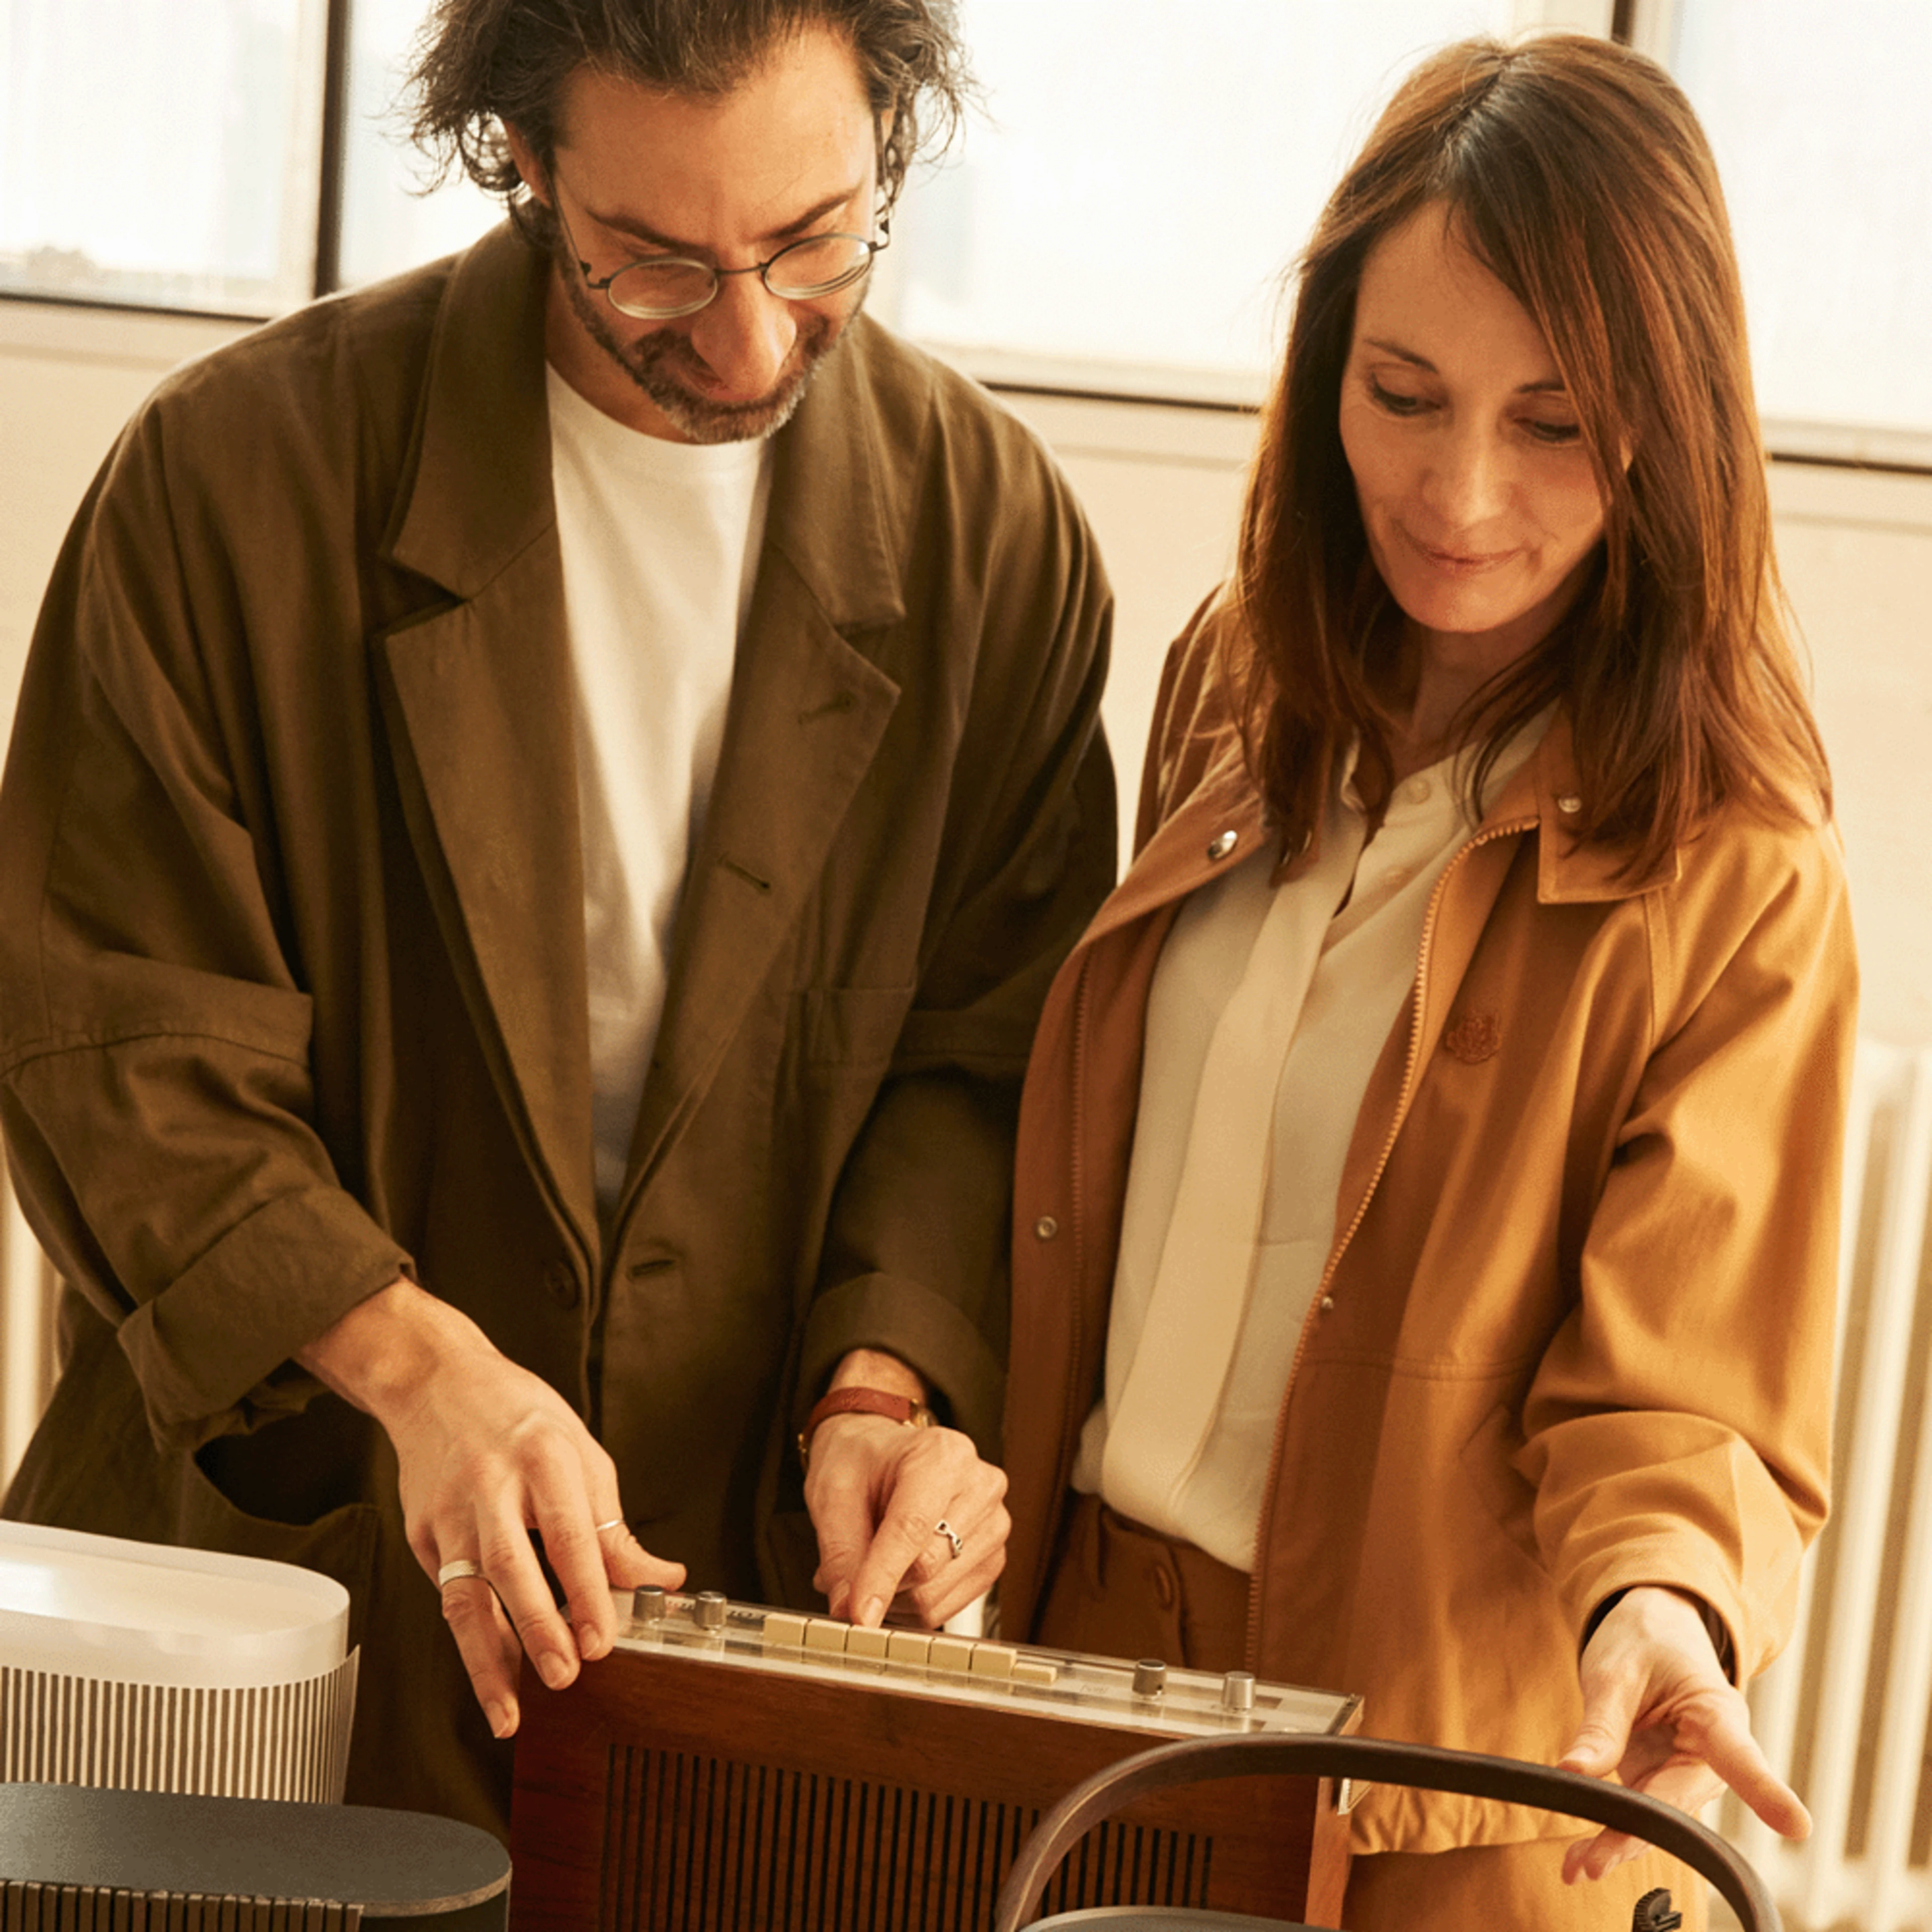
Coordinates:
291	965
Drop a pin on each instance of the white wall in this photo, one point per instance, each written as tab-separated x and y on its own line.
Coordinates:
1162	486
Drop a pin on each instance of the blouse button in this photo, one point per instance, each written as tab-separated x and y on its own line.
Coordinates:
1046	1228
1416	791
1222	844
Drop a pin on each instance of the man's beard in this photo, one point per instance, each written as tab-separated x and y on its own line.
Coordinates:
665	367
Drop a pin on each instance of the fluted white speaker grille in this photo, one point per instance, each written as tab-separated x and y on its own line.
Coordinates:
287	1740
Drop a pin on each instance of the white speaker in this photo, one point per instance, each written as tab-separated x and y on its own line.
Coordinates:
140	1666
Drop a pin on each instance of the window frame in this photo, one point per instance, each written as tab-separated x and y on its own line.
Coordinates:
1649	25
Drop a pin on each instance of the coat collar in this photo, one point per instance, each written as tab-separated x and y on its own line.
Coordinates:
1223	819
480	700
480	493
1547	794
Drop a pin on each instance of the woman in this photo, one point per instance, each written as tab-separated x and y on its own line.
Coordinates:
1427	1202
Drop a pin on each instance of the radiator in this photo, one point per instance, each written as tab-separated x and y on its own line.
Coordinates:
1844	1713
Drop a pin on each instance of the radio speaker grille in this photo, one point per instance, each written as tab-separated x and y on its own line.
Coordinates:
708	1844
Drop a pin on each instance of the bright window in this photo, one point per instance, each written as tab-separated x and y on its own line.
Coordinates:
1121	220
1820	136
387	222
1147	169
160	153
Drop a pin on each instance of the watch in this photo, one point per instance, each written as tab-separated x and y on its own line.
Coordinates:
905	1409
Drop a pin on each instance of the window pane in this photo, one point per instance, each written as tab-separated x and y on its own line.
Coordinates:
1146	171
160	153
1817	117
388	223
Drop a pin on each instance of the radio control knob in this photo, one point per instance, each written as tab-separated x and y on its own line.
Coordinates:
1238	1690
711	1609
1150	1677
647	1603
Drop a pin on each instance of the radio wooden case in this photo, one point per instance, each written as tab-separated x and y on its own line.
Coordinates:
730	1768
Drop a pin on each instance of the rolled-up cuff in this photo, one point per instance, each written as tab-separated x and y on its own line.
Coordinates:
925	1330
206	1350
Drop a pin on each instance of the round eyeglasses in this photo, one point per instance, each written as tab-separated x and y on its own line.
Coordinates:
661	288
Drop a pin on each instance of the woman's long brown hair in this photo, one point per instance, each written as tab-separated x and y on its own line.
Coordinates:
1577	172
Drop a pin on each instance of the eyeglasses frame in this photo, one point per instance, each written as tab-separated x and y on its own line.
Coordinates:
761	269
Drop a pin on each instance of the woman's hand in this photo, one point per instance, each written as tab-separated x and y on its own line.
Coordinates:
910	1522
486	1453
1659	1710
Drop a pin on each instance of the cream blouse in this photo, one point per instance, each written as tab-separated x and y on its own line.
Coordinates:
1268	1010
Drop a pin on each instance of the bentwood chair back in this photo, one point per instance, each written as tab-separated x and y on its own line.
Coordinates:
1370	1760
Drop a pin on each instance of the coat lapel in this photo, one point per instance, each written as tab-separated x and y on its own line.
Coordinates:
479	705
808	709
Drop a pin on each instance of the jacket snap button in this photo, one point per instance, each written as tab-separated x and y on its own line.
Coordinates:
1046	1227
1570	803
1221	845
559	1281
1327	1304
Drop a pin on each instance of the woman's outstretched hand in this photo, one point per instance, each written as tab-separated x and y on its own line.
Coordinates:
1660	1712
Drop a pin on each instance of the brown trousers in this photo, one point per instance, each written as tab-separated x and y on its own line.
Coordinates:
1120	1589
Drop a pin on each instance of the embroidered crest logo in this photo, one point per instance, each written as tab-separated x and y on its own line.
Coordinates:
1473	1038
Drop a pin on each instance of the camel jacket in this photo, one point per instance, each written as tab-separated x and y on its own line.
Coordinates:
1575	1332
292	980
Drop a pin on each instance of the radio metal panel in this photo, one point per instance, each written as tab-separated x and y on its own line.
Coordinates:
731	1767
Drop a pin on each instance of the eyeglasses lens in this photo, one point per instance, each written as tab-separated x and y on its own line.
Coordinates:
819	266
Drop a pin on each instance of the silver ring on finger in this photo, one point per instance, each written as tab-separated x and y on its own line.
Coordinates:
616	1523
942	1528
455	1572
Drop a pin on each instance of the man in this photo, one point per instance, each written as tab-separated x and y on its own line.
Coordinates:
546	798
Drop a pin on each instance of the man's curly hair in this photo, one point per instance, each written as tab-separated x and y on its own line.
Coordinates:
482	64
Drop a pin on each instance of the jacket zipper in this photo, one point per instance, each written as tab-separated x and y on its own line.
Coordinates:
1335	1254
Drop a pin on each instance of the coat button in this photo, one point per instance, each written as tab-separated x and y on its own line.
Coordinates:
1223	843
559	1281
1571	803
1046	1227
1327	1304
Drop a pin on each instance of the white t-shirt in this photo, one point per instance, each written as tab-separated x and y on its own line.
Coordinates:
1268	1010
660	543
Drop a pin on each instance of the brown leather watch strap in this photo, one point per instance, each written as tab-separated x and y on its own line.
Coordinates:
900	1408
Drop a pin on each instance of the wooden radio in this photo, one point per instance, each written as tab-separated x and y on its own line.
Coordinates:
729	1768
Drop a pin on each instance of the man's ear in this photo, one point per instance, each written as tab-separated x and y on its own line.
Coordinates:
532	169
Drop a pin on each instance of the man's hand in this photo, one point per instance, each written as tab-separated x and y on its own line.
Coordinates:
878	1493
1658	1711
488	1453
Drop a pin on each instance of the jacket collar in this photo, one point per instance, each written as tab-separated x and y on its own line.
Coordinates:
1223	820
834	515
481	491
479	494
1545	794
480	700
